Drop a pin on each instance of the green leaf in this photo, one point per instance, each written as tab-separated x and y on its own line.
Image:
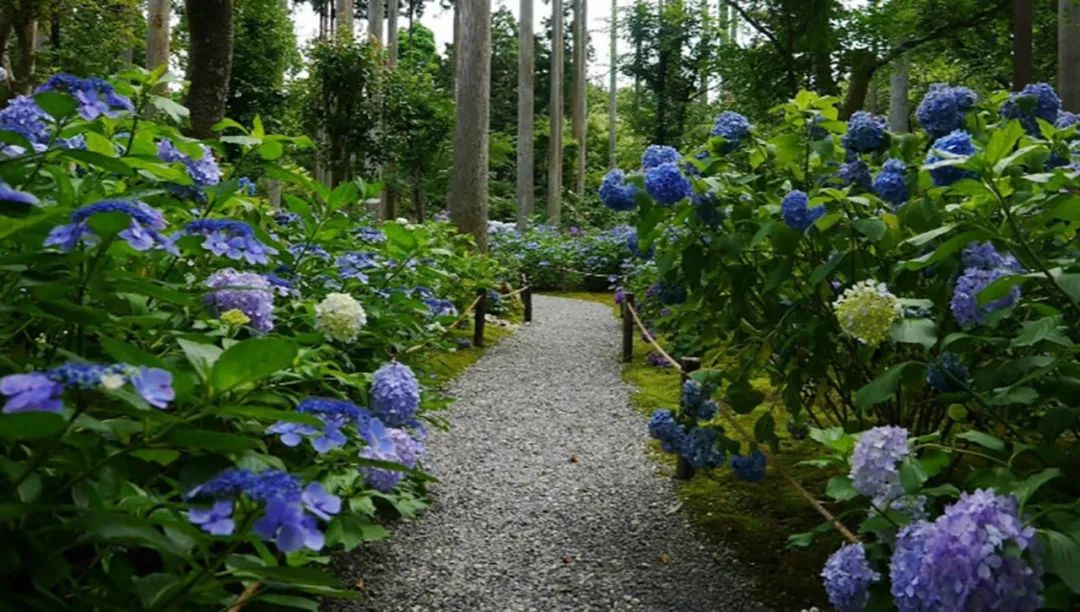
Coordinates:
841	488
873	229
765	428
743	397
915	331
1024	489
946	249
1063	557
250	361
984	440
999	288
1003	140
306	576
912	474
31	425
108	224
270	414
201	356
214	440
161	456
1046	328
342	195
926	237
156	588
124	528
272	149
884	387
58	104
823	271
175	111
399	236
101	161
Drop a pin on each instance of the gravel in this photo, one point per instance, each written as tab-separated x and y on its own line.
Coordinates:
547	500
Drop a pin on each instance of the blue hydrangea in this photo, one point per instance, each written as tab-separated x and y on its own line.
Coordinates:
942	109
940	375
440	308
707	208
696	402
23	116
95	96
795	210
353	264
848	577
616	193
301	251
395	395
891	183
750	468
733	128
204	172
286	218
143	233
855	173
247	292
875	464
632	245
387	444
667	184
670	434
978	555
700	448
957	144
245	185
369	234
1036	101
655	155
16	198
983	255
1066	119
335	414
233	239
865	133
33	392
965	301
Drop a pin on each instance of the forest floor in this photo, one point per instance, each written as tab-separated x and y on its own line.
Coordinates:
546	499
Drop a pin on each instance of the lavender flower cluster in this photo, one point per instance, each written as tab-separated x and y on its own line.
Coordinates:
250	293
848	576
942	109
95	97
733	128
983	265
395	395
875	464
233	239
43	391
143	233
335	415
204	172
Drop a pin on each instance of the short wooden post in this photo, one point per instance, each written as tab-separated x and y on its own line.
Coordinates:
683	469
526	298
627	328
481	315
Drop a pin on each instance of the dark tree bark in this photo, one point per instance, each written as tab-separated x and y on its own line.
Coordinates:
1022	21
1069	54
25	27
210	25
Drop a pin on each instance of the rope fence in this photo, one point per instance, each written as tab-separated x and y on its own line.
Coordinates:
683	470
478	308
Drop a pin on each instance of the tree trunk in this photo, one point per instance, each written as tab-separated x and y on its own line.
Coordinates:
1069	54
555	142
613	105
469	183
418	202
375	20
862	72
210	27
346	18
1022	21
22	78
158	13
578	99
392	31
457	44
898	96
525	153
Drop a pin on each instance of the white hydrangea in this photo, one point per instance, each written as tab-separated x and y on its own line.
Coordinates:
340	317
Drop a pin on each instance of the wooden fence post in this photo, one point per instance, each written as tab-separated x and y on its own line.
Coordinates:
627	328
526	299
481	315
683	469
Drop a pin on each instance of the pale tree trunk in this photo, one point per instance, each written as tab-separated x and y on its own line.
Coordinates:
375	20
578	100
210	27
390	195
392	31
555	142
613	105
722	35
898	96
1022	25
703	70
457	44
525	153
468	199
1069	54
158	13
346	17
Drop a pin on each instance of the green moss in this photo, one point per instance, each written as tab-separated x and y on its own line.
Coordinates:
444	366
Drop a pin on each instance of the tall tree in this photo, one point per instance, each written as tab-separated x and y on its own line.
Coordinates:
1069	54
577	97
525	150
210	26
393	8
898	95
375	20
264	53
346	16
468	201
555	141
613	104
157	33
1022	60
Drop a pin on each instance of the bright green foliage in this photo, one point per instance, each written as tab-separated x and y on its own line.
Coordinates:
264	55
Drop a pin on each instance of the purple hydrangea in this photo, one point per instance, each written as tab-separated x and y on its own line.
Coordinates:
700	448
408	449
142	234
247	292
369	234
956	145
380	446
1066	119
353	264
940	375
286	218
795	211
978	555
733	128
664	428
395	395
12	197
23	116
215	520
965	300
865	133
616	193
657	360
33	392
305	250
942	109
983	255
666	184
95	97
891	183
440	308
154	385
204	172
335	415
848	577
855	173
750	468
655	155
875	464
233	239
1036	101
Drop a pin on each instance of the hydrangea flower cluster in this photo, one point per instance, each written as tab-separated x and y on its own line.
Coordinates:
204	172
43	391
616	193
353	264
700	448
954	145
978	555
855	173
142	234
304	250
244	185
707	208
942	109
656	360
696	402
865	133
750	468
291	512
440	308
664	428
233	239
983	265
335	415
666	184
388	444
247	292
848	577
942	373
891	183
1036	101
340	317
795	210
733	128
633	246
369	234
286	218
875	464
95	97
655	155
23	116
1066	119
395	395
866	311
13	197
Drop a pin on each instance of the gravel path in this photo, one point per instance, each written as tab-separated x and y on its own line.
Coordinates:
547	500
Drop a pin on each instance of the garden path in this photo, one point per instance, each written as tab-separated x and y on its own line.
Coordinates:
547	500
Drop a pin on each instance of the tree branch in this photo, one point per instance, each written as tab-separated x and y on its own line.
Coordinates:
946	30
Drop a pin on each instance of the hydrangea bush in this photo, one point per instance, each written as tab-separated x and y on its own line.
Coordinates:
193	402
912	298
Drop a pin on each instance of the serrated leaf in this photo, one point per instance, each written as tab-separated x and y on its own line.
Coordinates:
883	387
